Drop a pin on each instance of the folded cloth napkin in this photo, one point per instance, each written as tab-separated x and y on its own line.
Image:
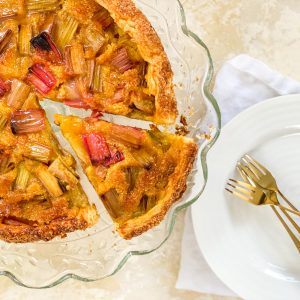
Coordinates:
240	83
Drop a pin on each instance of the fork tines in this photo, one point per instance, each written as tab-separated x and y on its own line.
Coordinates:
240	189
254	166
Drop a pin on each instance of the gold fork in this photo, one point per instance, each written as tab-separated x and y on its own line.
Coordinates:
270	195
262	177
255	195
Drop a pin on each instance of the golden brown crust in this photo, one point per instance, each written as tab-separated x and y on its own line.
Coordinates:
27	234
175	190
160	75
17	232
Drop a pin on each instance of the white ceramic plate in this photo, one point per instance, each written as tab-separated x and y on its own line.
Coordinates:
245	245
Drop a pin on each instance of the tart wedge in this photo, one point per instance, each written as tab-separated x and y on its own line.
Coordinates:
40	192
137	173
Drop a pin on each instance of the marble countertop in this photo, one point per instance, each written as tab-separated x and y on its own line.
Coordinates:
229	27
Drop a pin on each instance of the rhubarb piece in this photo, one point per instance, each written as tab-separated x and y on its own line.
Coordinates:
77	104
78	59
68	61
66	175
94	38
97	85
18	94
4	87
27	121
25	35
48	180
42	79
39	152
90	74
42	5
44	44
22	177
99	151
5	40
75	60
103	18
121	61
97	80
82	87
128	135
97	147
64	30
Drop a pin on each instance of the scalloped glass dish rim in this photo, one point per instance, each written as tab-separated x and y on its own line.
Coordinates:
206	90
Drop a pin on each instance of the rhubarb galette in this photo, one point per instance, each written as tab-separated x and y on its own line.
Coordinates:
138	174
105	57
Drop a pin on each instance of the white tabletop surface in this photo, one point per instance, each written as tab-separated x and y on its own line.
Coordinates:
228	28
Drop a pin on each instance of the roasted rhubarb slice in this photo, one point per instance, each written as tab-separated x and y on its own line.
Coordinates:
41	78
97	147
136	177
122	61
42	5
25	36
103	18
43	43
27	121
64	29
77	104
18	94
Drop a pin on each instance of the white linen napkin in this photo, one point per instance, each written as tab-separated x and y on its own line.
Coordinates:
240	83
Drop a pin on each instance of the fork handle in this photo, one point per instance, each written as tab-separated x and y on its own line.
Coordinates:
290	210
287	201
290	219
290	233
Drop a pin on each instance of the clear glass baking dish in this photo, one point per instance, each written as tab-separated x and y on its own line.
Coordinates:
99	252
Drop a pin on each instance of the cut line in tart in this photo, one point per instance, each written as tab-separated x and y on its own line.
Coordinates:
137	173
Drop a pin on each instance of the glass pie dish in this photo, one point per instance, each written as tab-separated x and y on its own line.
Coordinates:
99	251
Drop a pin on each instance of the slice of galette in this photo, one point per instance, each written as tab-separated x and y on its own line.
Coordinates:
40	193
137	173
